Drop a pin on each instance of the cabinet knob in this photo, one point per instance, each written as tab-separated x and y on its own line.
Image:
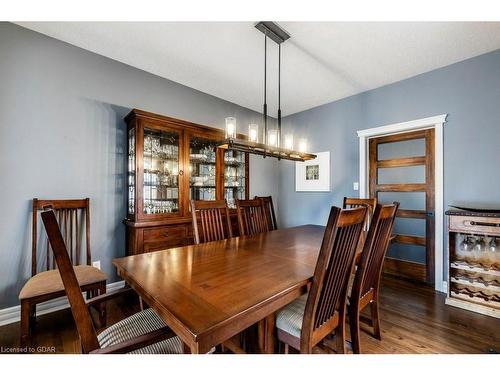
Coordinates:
181	173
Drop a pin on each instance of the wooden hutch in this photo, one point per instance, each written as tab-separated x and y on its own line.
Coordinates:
170	162
474	260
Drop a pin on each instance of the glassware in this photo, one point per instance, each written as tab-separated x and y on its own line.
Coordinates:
493	245
487	243
476	243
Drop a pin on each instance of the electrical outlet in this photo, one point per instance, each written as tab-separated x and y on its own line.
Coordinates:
97	264
355	186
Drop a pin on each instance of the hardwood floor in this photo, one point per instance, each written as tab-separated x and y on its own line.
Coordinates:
414	319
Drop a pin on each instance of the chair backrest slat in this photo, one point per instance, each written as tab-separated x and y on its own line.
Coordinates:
328	294
79	309
211	221
269	211
376	245
67	214
362	202
251	217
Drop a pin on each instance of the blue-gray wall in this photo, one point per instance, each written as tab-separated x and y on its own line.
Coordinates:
62	136
468	91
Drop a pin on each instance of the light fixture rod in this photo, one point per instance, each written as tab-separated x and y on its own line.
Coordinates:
279	95
265	89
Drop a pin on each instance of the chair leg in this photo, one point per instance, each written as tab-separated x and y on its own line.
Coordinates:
286	348
354	327
102	306
26	319
141	304
340	335
375	318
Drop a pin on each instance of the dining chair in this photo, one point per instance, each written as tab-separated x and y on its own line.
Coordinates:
251	217
366	288
360	202
267	202
142	333
211	221
309	319
73	217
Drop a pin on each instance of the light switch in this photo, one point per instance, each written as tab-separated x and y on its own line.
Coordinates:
355	186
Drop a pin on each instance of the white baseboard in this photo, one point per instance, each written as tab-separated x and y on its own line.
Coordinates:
444	288
13	314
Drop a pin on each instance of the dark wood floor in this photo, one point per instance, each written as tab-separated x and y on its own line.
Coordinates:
414	320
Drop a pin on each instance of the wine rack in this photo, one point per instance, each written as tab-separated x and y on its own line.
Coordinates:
474	261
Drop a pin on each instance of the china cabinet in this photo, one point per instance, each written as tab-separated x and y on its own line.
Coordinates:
170	162
474	261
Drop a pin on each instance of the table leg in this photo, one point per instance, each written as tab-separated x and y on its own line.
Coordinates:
270	343
266	335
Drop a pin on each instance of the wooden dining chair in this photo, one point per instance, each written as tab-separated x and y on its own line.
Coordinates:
73	217
251	217
366	287
361	202
142	333
309	319
267	202
211	221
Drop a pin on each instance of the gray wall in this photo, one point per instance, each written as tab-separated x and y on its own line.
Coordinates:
62	136
468	91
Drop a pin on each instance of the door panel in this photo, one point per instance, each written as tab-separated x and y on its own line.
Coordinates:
408	200
410	226
406	252
402	175
401	149
402	170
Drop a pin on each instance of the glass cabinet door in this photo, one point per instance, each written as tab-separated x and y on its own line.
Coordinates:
131	171
235	178
161	172
202	168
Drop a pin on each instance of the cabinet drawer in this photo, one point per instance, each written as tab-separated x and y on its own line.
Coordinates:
165	233
162	245
473	224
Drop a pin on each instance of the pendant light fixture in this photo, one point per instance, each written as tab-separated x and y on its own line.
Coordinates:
273	145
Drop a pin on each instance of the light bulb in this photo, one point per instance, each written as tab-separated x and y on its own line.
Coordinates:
253	133
303	145
272	138
289	141
230	127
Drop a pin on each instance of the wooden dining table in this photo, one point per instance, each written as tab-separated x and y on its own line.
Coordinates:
208	293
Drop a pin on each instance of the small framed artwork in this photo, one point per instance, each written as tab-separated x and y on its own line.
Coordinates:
313	175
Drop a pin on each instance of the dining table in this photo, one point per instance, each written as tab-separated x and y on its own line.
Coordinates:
208	293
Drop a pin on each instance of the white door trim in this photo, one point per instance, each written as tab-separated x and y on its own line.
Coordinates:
435	122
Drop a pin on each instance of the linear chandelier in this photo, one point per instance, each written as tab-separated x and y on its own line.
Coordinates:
272	144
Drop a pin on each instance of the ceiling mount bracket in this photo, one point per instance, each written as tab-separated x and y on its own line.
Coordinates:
273	31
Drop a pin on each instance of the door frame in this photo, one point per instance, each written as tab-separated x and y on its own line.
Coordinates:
436	123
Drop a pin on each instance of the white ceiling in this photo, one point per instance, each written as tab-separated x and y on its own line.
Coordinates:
321	62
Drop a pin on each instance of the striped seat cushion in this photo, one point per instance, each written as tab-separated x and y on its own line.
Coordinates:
136	325
289	319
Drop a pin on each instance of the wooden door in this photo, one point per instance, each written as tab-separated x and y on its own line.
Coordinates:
402	169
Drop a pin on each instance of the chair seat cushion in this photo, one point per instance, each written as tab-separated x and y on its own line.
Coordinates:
136	325
289	319
50	281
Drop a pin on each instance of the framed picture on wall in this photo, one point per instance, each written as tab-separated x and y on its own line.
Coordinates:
313	175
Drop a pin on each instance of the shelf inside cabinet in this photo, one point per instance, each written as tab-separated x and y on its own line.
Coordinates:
475	267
